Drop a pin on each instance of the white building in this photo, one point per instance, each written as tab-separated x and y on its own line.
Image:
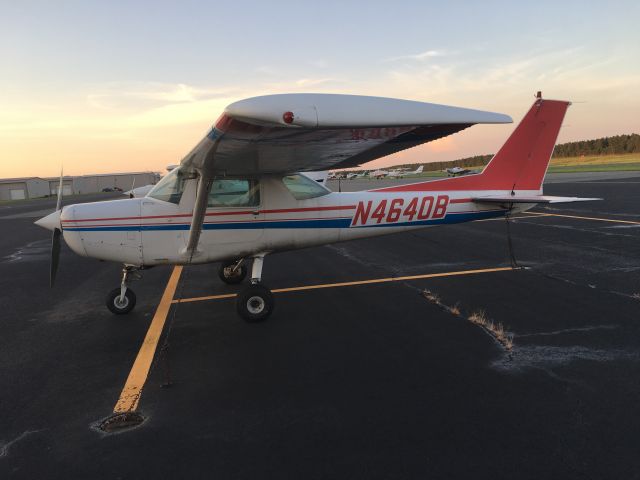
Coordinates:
34	187
123	181
23	188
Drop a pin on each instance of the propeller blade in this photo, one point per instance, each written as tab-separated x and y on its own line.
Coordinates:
59	202
55	255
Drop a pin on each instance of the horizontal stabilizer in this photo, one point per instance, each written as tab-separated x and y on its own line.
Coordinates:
530	199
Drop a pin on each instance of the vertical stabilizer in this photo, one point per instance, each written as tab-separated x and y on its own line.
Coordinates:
522	162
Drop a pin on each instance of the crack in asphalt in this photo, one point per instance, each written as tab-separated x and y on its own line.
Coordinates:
4	449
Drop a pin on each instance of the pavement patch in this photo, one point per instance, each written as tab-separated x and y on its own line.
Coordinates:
130	396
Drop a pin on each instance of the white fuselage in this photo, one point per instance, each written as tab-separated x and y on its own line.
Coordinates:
147	231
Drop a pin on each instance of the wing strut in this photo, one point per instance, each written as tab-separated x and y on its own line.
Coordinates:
199	211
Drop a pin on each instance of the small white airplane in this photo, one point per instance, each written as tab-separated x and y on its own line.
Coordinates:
352	175
455	171
238	195
379	174
139	192
402	173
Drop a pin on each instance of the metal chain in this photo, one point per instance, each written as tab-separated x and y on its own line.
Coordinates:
512	256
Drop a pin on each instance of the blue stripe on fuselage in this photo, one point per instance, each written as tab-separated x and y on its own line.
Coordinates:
329	223
448	219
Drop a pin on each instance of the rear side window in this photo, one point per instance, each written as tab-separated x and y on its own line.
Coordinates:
302	187
234	193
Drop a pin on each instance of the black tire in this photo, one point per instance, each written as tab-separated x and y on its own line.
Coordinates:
255	303
237	277
113	304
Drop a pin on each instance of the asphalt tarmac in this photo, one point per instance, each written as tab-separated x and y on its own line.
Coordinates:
364	380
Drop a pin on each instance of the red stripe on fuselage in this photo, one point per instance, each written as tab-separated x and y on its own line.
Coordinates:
215	214
139	224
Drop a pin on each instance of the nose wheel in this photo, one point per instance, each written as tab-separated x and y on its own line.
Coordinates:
120	305
122	300
255	303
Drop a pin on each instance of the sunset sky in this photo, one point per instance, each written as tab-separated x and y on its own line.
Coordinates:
127	86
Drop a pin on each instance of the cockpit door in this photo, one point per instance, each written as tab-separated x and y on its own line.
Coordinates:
234	213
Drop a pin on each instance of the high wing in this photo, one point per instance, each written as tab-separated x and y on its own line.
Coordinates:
305	132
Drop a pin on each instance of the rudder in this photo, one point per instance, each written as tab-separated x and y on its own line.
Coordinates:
521	163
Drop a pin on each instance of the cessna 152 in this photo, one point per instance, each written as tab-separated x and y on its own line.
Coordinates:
402	173
238	194
456	171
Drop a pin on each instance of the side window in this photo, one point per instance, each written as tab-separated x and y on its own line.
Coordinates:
302	187
234	193
170	188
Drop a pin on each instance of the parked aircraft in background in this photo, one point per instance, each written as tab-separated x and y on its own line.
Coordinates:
336	175
237	195
455	171
139	192
378	174
400	173
353	175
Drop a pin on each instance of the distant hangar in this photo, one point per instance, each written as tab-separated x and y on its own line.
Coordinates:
34	187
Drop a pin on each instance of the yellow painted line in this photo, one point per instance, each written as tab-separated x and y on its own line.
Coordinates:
510	218
355	283
130	396
598	219
210	297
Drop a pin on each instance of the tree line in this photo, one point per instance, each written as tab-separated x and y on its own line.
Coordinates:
620	144
616	145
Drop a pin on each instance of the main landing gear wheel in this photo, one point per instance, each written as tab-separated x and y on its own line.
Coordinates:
231	274
120	307
255	303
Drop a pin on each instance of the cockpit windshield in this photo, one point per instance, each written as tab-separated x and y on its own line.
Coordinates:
170	187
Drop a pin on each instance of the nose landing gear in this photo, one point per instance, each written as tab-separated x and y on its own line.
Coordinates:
255	303
122	300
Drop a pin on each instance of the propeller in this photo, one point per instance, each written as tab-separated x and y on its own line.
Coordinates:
55	255
55	237
52	222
